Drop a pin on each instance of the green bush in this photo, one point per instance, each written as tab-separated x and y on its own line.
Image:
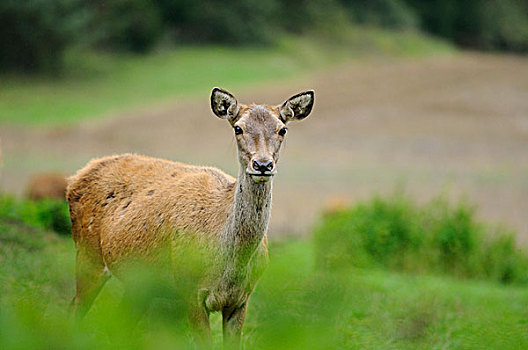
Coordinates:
453	237
439	237
504	26
326	17
127	25
481	24
250	22
54	215
392	14
35	33
236	22
46	214
378	233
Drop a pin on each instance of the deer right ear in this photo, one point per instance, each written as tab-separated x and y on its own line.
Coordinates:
223	104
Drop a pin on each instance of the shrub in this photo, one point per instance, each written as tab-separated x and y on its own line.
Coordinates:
453	236
395	233
251	22
502	261
393	14
327	17
46	214
504	26
54	215
376	233
481	24
35	33
127	25
237	22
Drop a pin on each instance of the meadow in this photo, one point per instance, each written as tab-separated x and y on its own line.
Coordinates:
96	84
385	272
299	303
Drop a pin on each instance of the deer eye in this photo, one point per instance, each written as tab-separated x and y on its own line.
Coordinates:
238	130
282	131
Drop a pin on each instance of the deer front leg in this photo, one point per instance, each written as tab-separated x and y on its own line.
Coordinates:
199	321
90	278
233	321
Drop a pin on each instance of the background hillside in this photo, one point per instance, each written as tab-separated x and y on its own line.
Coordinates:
35	35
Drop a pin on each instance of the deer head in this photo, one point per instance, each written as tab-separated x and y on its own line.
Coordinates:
260	129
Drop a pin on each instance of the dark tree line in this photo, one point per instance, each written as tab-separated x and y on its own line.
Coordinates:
35	33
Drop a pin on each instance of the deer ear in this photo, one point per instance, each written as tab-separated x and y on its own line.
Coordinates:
297	107
223	104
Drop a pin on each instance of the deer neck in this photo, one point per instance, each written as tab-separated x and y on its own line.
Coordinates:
248	222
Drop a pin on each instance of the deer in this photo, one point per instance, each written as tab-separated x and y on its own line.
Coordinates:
47	186
136	208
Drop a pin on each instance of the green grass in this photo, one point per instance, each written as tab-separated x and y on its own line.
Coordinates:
368	308
440	237
295	305
50	214
97	84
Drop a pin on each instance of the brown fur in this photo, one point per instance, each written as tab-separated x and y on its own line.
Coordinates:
132	193
43	186
130	208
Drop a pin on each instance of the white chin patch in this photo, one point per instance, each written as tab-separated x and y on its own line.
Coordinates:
259	179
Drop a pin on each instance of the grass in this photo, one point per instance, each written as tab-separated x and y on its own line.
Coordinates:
296	305
97	84
110	83
440	237
369	308
47	214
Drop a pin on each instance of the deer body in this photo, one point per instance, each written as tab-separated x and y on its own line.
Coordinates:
129	207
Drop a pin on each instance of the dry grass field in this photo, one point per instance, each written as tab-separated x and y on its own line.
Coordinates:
452	124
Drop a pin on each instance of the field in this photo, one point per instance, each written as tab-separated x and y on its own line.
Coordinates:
449	123
412	115
96	85
295	306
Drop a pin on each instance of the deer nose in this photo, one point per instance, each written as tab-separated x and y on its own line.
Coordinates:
263	166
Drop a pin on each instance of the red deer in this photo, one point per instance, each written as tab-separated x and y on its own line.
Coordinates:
128	206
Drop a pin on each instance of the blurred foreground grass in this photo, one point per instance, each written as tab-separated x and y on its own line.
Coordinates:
97	84
297	304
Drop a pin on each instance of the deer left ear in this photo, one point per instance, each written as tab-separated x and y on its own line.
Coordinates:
297	107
